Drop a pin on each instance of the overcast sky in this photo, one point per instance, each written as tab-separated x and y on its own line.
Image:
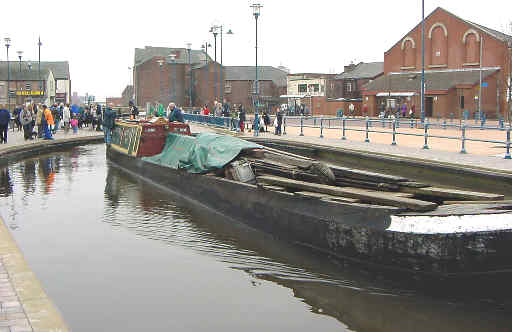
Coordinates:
98	38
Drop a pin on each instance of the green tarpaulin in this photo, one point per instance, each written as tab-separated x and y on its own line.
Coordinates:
201	154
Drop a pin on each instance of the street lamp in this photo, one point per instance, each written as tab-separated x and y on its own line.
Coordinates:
161	63
41	88
256	12
20	54
174	93
204	48
189	50
214	30
422	61
7	45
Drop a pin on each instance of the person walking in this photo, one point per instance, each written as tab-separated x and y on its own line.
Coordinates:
241	117
266	120
5	117
109	121
26	118
134	111
98	117
47	123
66	117
279	122
39	121
74	124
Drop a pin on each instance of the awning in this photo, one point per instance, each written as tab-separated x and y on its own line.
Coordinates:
396	94
295	96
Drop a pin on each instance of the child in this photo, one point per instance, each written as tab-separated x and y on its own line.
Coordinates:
74	125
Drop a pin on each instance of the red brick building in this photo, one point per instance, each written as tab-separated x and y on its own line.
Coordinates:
452	69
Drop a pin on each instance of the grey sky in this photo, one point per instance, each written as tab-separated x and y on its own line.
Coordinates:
98	37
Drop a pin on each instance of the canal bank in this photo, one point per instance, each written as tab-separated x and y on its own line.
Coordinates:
24	304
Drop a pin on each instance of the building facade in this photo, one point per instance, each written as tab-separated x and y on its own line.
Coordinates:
26	86
457	53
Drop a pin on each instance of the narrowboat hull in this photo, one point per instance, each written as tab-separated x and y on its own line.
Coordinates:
357	232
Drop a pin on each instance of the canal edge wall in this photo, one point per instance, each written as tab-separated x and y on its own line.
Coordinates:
38	310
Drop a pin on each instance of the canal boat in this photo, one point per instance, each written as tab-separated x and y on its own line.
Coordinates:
377	219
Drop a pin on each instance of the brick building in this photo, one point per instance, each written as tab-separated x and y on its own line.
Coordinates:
57	70
125	98
164	74
158	76
452	69
239	85
348	84
25	86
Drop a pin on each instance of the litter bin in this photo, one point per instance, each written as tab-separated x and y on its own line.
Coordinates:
339	113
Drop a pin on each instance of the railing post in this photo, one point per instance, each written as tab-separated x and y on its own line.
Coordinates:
463	138
343	137
321	128
507	153
412	123
425	126
301	126
284	125
502	123
394	133
444	123
367	139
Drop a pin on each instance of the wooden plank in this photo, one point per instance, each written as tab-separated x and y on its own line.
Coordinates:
504	202
413	184
366	175
364	195
310	194
453	194
275	188
289	160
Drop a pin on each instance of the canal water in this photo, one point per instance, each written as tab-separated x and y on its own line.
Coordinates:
118	254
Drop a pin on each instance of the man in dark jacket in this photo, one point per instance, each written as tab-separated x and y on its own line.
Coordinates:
176	114
109	121
5	117
241	117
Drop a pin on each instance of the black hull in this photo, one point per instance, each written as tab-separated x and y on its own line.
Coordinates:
350	231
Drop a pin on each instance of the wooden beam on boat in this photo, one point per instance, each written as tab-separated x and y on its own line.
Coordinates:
453	194
284	158
309	194
365	175
412	184
361	194
504	202
346	182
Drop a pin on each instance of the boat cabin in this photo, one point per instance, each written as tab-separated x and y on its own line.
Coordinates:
143	138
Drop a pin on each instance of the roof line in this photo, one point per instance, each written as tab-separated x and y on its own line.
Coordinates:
445	70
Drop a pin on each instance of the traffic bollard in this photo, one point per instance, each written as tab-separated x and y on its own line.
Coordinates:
367	139
284	125
343	137
444	123
507	153
321	128
301	126
463	138
394	133
425	126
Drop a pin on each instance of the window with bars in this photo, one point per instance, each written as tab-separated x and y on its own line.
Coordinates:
303	88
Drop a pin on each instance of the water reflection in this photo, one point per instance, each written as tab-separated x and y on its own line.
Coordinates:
103	198
360	299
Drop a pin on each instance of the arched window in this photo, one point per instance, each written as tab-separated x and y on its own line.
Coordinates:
471	40
408	54
438	35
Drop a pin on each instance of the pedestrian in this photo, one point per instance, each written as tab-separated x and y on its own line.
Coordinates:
74	124
109	121
176	114
266	120
16	113
351	109
98	117
66	117
134	111
26	118
411	111
279	118
48	122
5	117
241	117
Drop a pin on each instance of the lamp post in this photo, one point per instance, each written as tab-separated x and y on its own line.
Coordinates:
161	63
174	93
422	94
20	55
204	47
215	32
189	50
220	28
39	44
7	45
256	12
